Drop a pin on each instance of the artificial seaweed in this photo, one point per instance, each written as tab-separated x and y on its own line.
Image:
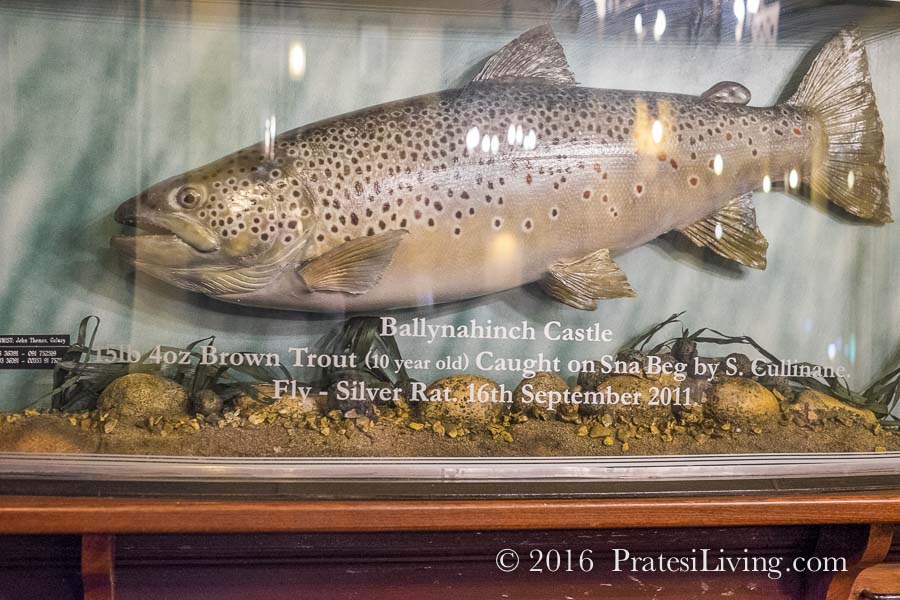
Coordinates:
881	396
80	377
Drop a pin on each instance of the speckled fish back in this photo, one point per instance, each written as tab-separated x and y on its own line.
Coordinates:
530	158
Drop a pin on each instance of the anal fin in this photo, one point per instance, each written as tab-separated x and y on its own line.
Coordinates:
731	232
582	282
354	267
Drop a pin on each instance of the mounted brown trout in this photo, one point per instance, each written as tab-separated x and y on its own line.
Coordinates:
520	176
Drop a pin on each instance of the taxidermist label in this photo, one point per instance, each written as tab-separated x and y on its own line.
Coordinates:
32	351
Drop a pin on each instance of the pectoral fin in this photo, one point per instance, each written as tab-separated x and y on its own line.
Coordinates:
354	267
732	233
582	282
728	92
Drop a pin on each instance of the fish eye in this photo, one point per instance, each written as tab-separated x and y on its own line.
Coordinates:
189	197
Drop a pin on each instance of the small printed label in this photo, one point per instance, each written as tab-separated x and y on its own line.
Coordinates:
32	351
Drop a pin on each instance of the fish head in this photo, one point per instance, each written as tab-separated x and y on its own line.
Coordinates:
239	212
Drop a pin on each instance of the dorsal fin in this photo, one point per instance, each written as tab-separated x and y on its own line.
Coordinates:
728	92
536	54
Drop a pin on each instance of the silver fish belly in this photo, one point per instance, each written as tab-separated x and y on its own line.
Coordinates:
520	176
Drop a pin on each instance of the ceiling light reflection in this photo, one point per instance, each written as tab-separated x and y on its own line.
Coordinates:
656	131
297	61
659	26
473	138
530	141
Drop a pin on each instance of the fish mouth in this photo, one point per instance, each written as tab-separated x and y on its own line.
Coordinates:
161	239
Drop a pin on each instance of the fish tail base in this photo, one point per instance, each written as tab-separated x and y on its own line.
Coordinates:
838	91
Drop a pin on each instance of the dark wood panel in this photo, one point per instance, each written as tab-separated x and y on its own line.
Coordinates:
446	564
281	548
861	548
40	583
415	564
446	580
36	567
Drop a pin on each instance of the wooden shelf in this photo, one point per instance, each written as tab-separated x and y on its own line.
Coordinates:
79	515
132	542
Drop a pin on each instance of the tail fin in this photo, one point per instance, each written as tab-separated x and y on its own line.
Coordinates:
838	89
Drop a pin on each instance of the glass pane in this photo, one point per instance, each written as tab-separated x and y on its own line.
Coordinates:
598	235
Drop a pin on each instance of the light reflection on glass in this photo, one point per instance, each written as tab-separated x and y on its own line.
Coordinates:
719	231
490	143
740	12
656	131
297	61
240	203
601	9
793	179
504	256
767	184
832	352
639	25
752	6
530	141
718	164
659	26
764	22
851	180
473	137
269	138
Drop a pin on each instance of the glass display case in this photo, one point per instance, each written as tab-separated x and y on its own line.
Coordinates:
355	248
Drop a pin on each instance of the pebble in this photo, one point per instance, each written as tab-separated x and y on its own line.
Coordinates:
135	397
